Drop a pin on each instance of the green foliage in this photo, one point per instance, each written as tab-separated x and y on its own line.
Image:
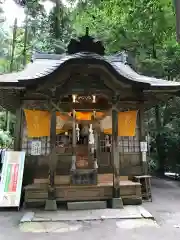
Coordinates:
146	29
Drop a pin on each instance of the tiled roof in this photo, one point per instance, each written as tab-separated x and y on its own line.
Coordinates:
45	64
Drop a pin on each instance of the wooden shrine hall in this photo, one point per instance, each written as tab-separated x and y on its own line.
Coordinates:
80	122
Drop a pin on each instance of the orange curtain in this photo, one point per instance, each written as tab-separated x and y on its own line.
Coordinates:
126	124
63	116
108	131
83	115
87	115
38	123
60	122
100	114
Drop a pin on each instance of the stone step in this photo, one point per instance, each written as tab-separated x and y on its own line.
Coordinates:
88	205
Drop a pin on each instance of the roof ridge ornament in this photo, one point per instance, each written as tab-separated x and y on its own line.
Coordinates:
87	31
85	43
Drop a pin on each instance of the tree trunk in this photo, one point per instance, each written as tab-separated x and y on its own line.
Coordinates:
57	23
177	11
25	41
13	44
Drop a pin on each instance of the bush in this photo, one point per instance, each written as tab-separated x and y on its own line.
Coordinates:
152	164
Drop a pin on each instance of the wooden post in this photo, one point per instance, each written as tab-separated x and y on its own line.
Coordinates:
116	201
98	145
95	150
142	138
51	202
115	157
18	129
73	165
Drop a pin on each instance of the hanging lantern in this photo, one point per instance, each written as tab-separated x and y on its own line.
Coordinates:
74	98
94	99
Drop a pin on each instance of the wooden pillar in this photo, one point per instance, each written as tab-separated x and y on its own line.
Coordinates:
73	165
98	146
19	125
51	202
142	138
115	154
116	200
95	150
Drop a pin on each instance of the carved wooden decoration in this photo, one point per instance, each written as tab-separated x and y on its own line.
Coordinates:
86	44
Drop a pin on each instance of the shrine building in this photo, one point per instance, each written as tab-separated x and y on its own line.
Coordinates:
79	119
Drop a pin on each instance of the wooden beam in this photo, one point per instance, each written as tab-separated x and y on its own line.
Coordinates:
67	107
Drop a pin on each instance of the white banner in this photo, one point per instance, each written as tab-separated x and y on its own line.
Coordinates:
11	179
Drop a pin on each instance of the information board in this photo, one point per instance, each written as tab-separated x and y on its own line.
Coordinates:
11	179
36	148
143	146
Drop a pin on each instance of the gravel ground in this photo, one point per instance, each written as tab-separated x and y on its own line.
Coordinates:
165	208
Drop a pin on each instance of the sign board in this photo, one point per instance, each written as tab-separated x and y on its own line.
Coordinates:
11	179
143	146
36	148
144	156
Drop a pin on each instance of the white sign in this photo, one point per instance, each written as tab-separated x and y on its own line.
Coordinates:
144	156
36	148
143	146
11	179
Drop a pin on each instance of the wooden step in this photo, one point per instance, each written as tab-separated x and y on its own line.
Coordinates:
65	179
102	191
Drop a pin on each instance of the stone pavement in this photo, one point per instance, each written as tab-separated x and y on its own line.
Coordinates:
165	208
66	220
128	212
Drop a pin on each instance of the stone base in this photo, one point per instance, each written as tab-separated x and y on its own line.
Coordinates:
128	212
117	203
132	201
51	205
89	205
